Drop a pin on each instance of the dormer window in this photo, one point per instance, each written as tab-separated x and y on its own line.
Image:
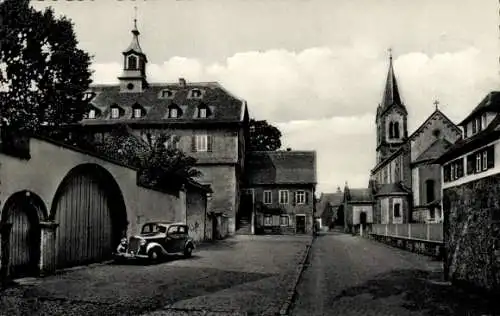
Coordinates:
115	112
166	94
196	93
202	113
91	114
132	62
137	113
174	111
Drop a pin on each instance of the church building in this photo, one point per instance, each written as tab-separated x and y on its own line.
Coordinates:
202	119
405	182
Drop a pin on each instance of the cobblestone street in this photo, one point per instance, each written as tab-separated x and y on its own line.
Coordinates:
348	275
240	275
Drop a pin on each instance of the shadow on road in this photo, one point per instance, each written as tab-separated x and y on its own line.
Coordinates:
423	290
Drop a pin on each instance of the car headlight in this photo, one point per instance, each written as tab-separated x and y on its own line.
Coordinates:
142	242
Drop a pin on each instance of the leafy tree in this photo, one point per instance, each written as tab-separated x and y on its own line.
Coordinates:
43	75
156	162
264	136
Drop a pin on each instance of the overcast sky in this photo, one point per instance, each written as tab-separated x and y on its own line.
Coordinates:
315	68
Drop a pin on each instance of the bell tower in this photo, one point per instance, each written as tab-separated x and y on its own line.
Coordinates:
392	117
133	78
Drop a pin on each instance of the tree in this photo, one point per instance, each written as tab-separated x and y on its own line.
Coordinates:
264	136
156	161
43	75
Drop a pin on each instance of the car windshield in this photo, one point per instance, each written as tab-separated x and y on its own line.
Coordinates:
153	228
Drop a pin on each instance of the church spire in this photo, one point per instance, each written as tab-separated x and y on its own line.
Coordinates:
391	92
134	45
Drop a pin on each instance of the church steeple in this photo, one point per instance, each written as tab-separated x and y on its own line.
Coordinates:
391	92
391	118
133	78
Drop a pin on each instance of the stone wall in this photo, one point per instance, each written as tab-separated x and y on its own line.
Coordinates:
196	215
472	233
223	181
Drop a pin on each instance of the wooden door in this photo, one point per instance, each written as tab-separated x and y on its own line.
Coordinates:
86	233
24	245
300	221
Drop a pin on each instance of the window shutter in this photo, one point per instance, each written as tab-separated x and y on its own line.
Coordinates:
490	152
471	160
446	173
460	168
193	143
307	197
209	143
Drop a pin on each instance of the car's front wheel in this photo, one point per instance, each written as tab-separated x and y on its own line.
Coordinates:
154	255
188	251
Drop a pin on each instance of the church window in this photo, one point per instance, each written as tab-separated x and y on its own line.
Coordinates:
479	124
130	86
391	130
474	127
132	62
396	130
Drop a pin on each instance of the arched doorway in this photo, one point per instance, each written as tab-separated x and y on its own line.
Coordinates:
24	210
91	213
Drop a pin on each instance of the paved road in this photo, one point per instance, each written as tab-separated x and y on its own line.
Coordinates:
349	275
236	275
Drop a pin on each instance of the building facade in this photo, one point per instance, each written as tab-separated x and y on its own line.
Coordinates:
357	207
201	119
281	187
471	199
328	209
405	181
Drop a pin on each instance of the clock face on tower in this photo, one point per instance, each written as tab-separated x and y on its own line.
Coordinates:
130	86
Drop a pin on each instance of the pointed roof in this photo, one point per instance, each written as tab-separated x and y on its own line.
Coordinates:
391	92
434	151
134	45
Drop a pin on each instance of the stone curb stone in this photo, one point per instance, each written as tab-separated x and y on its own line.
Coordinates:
285	307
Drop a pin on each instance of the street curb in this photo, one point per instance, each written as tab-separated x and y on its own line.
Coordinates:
292	291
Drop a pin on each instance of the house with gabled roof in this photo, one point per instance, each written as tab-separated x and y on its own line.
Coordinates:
202	119
471	199
328	209
280	186
405	181
357	207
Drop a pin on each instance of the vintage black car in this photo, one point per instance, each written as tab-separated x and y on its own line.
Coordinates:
157	240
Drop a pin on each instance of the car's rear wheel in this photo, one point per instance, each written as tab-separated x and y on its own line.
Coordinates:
188	251
154	255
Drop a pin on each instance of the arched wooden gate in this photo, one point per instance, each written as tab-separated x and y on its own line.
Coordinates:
91	214
23	210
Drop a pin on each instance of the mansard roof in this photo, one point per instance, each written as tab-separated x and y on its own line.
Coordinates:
224	107
281	167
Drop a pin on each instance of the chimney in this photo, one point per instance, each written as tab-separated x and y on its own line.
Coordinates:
182	82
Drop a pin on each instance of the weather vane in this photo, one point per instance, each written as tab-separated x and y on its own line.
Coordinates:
135	16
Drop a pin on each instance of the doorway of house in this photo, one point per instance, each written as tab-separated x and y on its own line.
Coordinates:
300	224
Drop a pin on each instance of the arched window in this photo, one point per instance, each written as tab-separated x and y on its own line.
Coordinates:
396	130
429	189
391	130
132	62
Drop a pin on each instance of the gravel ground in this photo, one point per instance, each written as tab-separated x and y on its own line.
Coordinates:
240	276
